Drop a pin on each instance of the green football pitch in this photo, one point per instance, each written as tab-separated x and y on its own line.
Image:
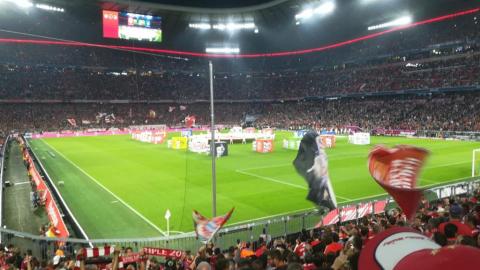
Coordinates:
117	187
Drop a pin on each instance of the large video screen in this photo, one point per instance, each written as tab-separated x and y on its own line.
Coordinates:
125	25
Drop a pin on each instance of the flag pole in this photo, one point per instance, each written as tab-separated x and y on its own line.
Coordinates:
212	144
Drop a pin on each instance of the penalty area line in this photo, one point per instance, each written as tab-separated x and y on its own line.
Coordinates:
107	190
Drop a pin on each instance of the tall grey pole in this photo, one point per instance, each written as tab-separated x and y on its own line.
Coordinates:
212	144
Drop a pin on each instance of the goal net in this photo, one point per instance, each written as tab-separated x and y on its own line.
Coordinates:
476	163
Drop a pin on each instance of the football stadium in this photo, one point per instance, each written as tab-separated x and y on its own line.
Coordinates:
239	135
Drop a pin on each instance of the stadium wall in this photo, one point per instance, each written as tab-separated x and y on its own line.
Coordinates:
67	213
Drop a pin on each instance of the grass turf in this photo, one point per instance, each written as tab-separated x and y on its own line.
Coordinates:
118	187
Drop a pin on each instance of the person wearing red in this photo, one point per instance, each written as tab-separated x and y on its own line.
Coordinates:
300	248
455	216
262	247
334	247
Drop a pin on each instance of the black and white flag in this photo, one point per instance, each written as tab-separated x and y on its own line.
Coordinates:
312	163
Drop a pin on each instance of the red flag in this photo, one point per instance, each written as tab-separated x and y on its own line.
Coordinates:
396	170
190	121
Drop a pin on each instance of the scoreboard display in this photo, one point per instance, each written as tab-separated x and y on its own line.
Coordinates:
131	26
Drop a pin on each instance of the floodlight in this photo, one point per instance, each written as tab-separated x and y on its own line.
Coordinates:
49	8
325	8
397	22
204	26
319	9
21	3
305	14
223	50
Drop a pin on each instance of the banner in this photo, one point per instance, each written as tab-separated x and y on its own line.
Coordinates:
352	212
263	146
311	162
149	136
206	228
292	143
328	141
178	143
221	149
162	252
396	170
53	213
132	258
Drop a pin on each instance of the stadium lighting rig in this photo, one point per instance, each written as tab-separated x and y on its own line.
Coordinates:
223	50
26	4
405	20
49	8
315	11
20	3
202	26
230	26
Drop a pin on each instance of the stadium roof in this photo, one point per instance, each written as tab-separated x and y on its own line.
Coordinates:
278	29
205	6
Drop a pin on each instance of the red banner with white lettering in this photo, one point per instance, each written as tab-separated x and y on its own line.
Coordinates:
396	170
59	228
352	212
163	252
132	258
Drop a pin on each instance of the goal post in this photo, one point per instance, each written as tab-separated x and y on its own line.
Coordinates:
475	162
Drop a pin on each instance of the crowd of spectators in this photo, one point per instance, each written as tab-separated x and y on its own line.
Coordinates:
448	222
43	85
75	83
439	112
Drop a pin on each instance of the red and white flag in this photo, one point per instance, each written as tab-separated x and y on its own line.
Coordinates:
171	108
72	122
396	170
206	228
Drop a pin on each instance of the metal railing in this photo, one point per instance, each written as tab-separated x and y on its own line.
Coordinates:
275	227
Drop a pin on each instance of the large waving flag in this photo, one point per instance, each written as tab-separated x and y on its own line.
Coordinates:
312	163
206	228
396	170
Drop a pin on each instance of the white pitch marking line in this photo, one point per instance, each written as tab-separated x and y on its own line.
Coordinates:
107	190
446	165
21	183
267	167
271	216
282	182
447	182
